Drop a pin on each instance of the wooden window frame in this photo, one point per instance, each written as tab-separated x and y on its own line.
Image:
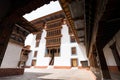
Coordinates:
33	62
72	39
37	43
35	53
73	51
72	62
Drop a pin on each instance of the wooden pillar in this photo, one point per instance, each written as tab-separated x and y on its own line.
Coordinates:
95	59
103	64
91	60
6	27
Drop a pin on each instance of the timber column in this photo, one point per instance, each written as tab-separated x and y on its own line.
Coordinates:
93	61
103	65
6	28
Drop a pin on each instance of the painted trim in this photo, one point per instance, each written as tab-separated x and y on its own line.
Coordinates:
40	66
62	67
113	68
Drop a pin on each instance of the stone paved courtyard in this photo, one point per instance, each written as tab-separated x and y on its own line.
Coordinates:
53	74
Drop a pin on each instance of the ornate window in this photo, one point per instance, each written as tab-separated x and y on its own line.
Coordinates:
52	41
53	32
49	51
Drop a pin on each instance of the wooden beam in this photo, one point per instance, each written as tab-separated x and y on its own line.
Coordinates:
102	60
81	37
78	18
79	29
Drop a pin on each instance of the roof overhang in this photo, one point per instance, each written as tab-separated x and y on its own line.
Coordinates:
74	11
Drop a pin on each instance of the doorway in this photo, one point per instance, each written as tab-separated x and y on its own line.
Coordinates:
74	62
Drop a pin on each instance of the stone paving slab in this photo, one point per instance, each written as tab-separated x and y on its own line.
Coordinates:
53	74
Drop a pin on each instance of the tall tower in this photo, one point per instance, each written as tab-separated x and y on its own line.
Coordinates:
53	39
56	46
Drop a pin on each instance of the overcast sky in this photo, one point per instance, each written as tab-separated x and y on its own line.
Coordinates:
44	10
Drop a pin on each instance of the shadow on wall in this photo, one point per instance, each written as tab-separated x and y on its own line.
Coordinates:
11	71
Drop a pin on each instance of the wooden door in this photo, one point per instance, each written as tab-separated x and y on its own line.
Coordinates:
74	62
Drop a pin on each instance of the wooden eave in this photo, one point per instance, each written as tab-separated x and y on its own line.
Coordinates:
65	7
39	23
26	25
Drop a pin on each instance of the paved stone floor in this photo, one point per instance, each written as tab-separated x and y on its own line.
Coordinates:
53	74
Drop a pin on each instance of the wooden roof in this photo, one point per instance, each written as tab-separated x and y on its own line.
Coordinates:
26	25
93	21
39	23
74	11
84	17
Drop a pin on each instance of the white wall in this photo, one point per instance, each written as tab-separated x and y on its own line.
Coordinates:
108	52
12	56
65	51
41	59
29	61
30	40
64	58
109	56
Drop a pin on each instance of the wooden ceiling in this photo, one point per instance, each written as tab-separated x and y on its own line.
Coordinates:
90	20
109	23
19	8
74	11
93	21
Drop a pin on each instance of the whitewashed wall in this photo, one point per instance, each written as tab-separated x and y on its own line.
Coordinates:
41	59
64	59
30	40
12	56
65	51
108	52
